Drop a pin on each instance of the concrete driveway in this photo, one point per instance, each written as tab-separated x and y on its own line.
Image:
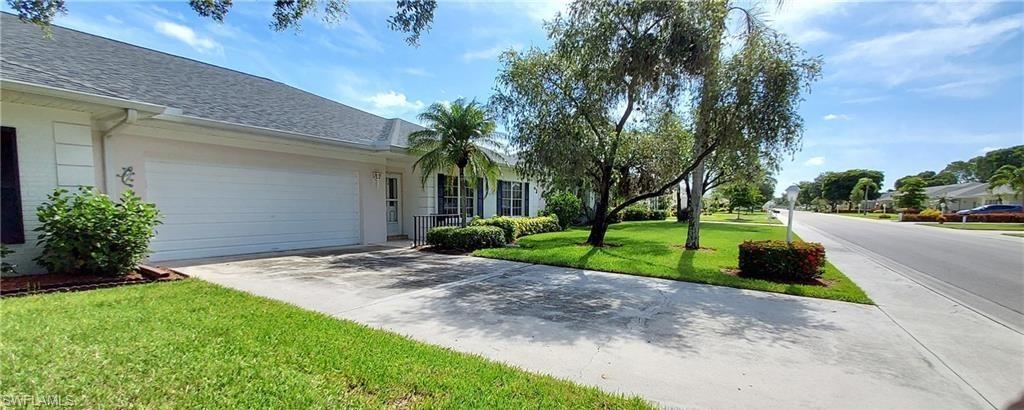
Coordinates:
678	344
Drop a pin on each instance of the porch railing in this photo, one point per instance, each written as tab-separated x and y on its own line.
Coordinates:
423	223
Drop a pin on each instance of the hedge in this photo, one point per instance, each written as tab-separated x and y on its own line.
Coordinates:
469	238
516	227
996	218
781	261
640	212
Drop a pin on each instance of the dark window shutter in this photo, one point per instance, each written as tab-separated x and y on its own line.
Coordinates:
12	228
440	193
479	191
526	199
500	196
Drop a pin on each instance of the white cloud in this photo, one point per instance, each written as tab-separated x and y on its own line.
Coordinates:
188	36
416	72
815	162
489	53
985	150
864	100
927	55
393	103
833	117
113	20
799	18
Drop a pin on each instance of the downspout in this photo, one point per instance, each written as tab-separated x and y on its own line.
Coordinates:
130	117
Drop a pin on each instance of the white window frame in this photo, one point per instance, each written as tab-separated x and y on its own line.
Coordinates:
513	198
451	197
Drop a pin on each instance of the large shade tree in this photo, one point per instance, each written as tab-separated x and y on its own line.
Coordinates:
411	16
836	186
864	189
458	137
599	103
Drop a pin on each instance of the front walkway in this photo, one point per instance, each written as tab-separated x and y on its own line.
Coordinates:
679	344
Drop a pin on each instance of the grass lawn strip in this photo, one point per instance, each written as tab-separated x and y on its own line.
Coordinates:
978	226
1019	235
757	218
870	215
196	345
655	249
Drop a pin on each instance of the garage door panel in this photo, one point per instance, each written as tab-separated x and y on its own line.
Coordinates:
274	241
189	205
205	217
217	209
172	231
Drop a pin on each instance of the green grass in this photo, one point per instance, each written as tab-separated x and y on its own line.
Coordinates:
978	226
655	249
758	217
191	344
871	215
1019	235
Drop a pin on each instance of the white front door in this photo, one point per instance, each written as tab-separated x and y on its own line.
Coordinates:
394	204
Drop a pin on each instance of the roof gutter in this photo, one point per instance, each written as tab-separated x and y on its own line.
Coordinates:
252	129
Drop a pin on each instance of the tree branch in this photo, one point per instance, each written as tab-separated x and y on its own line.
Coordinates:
665	188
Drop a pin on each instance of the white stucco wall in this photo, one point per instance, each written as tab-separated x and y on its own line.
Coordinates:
54	148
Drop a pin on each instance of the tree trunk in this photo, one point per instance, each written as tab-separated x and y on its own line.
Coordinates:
679	205
693	228
600	225
462	218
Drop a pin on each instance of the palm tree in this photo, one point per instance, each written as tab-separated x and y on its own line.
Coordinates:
865	185
455	138
1010	176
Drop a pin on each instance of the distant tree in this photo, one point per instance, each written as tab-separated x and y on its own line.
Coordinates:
1009	176
836	186
911	194
930	178
865	188
963	171
411	16
455	138
809	191
986	165
741	195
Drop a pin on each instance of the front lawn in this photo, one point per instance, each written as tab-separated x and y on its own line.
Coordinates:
1019	235
656	249
872	215
191	344
757	217
978	226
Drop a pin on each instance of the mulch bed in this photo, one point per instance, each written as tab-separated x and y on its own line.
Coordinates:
810	282
67	282
443	251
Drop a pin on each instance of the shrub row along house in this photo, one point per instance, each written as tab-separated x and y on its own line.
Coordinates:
236	163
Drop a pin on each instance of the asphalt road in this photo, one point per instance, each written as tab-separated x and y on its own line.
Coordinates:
983	270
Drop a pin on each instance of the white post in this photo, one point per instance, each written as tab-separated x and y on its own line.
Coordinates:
789	225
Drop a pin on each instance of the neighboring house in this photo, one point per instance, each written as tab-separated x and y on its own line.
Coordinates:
236	163
960	196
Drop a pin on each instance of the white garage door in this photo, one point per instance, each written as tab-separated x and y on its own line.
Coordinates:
216	210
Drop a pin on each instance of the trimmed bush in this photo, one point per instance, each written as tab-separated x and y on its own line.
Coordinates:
658	215
566	206
781	261
636	212
516	227
884	216
930	213
87	233
992	218
469	238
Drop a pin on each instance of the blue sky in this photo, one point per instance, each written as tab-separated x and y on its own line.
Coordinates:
906	87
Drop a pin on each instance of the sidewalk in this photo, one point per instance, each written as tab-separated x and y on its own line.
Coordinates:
984	355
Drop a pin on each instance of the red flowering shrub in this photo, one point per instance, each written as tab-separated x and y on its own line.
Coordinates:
1000	218
778	260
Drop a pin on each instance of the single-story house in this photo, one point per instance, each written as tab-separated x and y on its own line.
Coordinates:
959	196
236	163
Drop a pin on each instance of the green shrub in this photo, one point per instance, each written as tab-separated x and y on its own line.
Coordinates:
658	215
516	227
781	261
87	233
6	268
930	213
508	226
565	205
469	238
884	216
636	212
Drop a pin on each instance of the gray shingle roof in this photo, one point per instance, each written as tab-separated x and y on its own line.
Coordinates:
82	62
